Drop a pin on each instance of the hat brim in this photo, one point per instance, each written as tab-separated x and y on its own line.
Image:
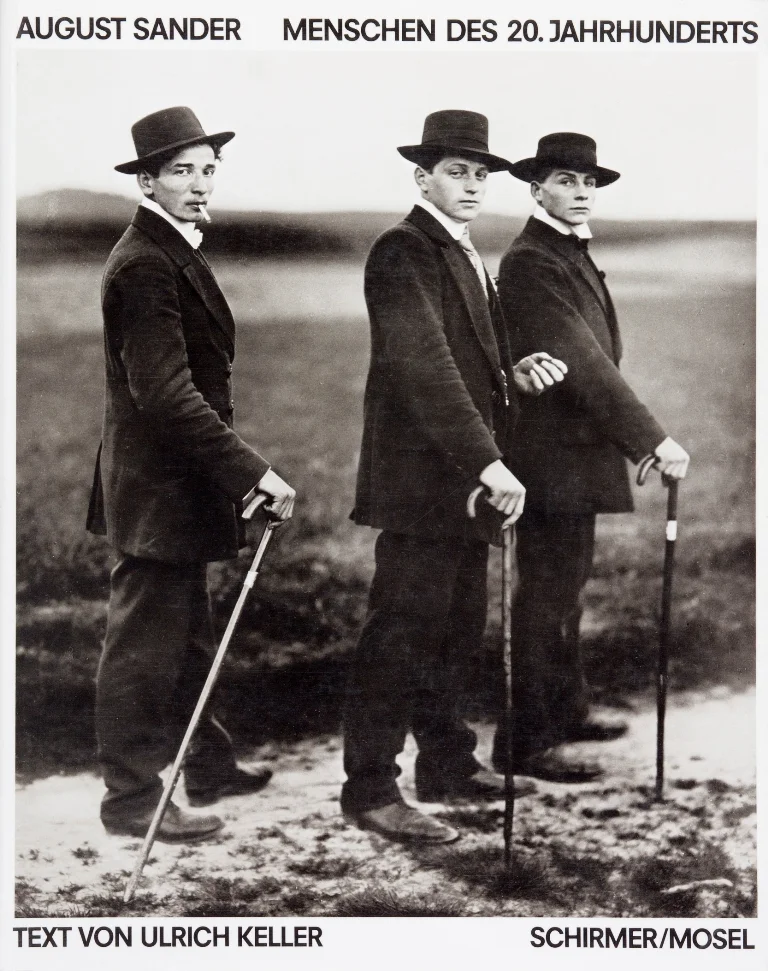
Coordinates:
220	138
527	168
425	154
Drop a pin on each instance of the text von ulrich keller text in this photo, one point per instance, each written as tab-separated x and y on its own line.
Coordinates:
163	935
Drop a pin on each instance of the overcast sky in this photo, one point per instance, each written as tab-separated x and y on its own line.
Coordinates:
318	131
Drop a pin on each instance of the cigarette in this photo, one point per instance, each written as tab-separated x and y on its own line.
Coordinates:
204	211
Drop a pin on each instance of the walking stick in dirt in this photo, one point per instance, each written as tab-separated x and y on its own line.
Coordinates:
666	608
173	778
506	625
506	622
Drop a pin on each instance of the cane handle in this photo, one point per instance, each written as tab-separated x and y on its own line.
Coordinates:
259	501
648	463
472	500
256	503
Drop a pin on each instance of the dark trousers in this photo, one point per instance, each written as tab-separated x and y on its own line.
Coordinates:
426	612
550	694
157	653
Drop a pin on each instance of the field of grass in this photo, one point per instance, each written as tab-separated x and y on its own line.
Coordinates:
687	312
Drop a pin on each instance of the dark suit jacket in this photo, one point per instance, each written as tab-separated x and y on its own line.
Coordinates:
435	412
171	472
570	443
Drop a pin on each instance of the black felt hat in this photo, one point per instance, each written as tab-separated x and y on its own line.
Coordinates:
464	133
568	150
167	130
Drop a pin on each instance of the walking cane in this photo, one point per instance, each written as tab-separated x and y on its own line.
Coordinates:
506	624
666	607
173	778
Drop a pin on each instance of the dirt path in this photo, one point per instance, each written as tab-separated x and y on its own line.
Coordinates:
602	848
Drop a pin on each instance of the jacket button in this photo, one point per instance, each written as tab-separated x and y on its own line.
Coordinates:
229	369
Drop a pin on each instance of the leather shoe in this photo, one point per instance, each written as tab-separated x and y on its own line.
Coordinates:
552	766
176	826
239	783
484	784
399	821
598	729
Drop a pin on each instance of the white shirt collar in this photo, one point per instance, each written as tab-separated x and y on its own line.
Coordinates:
582	230
193	236
456	229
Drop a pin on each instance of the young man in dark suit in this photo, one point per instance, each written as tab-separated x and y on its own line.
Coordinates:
440	408
169	485
570	450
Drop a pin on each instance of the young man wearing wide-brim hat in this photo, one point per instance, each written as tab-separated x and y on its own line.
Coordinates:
570	451
169	483
440	408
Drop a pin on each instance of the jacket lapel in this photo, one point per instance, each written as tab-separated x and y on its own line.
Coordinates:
565	248
500	329
469	286
613	323
202	279
194	267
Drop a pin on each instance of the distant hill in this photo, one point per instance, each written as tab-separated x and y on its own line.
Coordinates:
68	206
76	223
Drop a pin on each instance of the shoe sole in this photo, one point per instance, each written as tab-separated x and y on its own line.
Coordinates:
568	779
554	777
594	738
208	799
161	837
197	801
434	796
450	837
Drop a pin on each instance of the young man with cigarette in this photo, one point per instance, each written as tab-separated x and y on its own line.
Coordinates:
168	488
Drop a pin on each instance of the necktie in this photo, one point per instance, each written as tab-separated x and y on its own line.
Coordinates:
474	257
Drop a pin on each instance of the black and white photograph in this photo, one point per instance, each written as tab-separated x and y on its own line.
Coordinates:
382	472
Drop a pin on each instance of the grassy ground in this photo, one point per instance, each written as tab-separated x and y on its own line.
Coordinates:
689	339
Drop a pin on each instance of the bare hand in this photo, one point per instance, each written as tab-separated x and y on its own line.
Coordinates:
672	459
506	493
283	496
537	372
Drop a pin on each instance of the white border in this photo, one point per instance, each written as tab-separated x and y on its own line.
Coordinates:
445	944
